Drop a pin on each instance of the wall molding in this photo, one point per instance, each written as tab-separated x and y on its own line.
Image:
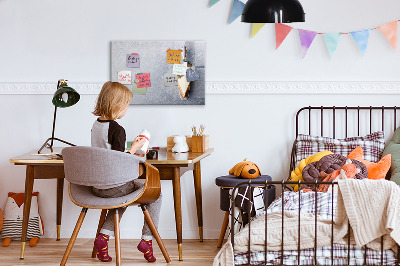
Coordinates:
232	87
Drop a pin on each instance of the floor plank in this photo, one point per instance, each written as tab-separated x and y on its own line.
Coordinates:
50	252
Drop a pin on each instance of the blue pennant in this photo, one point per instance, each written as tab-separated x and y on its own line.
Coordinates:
237	9
361	38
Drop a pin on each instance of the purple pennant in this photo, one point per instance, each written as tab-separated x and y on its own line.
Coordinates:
306	39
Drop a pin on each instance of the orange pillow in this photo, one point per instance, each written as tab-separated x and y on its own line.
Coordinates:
375	170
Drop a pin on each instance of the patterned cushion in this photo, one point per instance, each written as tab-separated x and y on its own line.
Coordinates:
372	144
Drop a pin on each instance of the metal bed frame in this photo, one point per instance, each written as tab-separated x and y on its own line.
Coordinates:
283	184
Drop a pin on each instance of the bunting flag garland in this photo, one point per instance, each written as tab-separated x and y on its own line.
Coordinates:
332	41
237	9
361	38
281	31
213	2
389	30
306	39
256	27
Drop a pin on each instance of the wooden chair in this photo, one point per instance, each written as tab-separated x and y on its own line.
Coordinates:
85	167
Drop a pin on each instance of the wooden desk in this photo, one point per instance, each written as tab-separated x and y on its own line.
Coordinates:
171	167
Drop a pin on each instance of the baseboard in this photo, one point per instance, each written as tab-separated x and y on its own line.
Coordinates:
231	87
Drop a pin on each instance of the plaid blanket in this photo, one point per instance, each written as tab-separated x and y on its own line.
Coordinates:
323	205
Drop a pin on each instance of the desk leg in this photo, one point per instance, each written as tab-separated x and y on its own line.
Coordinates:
27	206
197	189
60	190
176	182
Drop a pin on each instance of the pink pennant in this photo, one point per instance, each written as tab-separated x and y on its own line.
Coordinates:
281	31
389	30
306	39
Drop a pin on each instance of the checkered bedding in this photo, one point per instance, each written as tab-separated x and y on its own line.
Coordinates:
372	145
323	207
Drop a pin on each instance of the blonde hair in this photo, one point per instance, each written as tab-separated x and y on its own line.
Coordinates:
112	99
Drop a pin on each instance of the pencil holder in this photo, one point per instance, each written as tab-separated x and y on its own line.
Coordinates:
200	143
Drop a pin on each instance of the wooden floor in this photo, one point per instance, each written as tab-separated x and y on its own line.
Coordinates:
50	252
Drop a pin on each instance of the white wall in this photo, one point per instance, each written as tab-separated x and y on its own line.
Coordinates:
42	41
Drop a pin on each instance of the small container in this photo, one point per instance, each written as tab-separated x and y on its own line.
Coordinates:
152	155
144	134
200	143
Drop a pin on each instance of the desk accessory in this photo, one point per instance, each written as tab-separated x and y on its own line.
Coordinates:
64	96
180	144
152	155
171	143
199	140
200	143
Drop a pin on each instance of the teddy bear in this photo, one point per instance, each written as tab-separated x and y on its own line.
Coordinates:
13	215
245	169
180	144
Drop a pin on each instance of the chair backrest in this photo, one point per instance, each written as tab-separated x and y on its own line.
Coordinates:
92	166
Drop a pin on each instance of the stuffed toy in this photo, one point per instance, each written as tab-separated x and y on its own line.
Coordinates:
375	170
180	144
13	215
296	174
245	169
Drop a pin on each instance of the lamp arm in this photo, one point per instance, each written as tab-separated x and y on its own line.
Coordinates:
54	126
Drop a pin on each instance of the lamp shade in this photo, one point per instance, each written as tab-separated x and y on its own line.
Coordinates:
65	96
273	11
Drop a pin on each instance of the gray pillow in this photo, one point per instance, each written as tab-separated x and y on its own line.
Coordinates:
393	148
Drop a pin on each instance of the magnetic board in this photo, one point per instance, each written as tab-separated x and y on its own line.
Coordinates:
147	69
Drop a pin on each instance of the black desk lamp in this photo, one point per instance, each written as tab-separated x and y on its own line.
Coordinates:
273	11
65	96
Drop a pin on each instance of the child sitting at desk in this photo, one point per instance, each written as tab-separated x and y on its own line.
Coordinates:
112	103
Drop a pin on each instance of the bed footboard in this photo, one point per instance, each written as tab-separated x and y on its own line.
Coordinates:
383	259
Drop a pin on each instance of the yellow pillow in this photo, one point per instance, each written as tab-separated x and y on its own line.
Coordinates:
296	174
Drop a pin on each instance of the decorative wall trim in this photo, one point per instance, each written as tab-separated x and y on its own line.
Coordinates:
234	87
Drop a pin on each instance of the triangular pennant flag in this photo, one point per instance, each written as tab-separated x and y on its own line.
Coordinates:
281	31
213	2
306	39
332	41
361	37
237	9
389	30
256	27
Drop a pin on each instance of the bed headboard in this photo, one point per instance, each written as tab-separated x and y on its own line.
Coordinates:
344	121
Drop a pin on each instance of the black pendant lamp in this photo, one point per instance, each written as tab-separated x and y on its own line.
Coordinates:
273	11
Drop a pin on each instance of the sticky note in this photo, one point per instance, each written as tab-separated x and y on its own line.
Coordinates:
133	60
125	77
192	74
144	80
174	56
180	69
136	90
170	80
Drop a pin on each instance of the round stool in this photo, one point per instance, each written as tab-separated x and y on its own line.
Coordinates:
228	182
